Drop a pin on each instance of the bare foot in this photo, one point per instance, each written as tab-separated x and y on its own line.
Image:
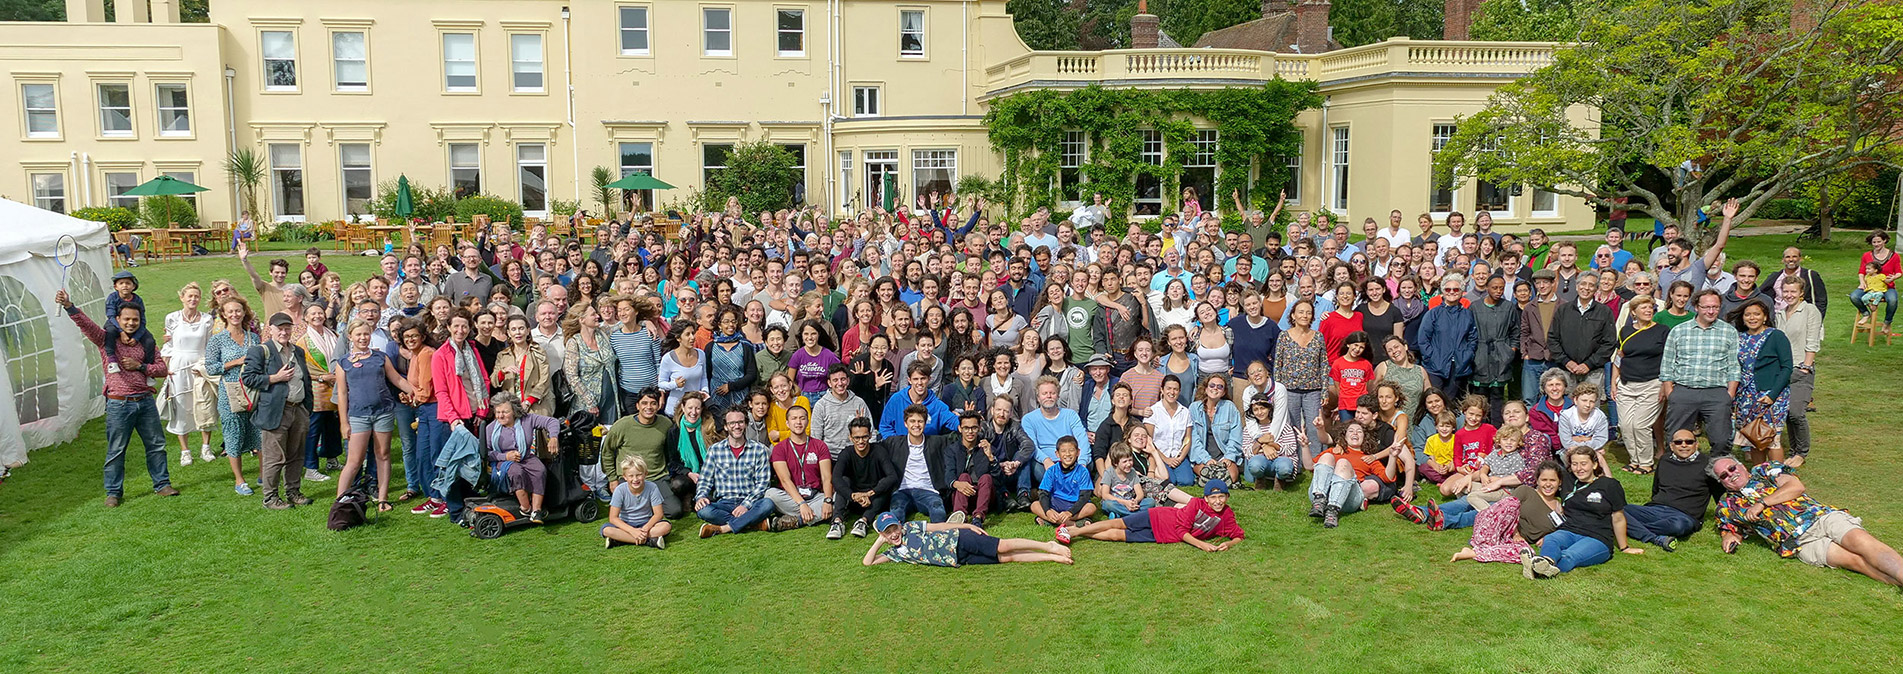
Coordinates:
1795	461
1465	553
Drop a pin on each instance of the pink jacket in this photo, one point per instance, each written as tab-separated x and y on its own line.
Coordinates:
452	403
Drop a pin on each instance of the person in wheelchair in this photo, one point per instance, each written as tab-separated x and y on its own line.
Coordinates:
514	467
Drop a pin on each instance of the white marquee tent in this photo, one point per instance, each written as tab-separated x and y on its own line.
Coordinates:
52	381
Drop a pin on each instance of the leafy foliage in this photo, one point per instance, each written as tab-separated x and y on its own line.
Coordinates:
1359	22
115	217
246	167
1252	123
605	197
1721	99
295	232
761	174
1105	24
497	208
429	204
163	210
1527	20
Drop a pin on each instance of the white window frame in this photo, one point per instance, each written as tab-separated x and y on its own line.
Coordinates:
1339	146
920	32
99	93
881	158
475	168
1513	202
265	57
625	31
868	100
115	192
190	177
338	62
1073	151
279	196
845	181
708	31
1150	151
933	159
781	33
29	113
1536	211
1439	135
365	170
52	197
628	169
524	166
800	197
519	67
474	63
1294	165
169	112
1203	155
708	171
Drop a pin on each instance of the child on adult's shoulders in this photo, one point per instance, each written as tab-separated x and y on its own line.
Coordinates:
125	288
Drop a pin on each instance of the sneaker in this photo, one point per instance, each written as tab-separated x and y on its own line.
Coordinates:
1062	535
1436	520
242	489
274	503
957	517
204	454
421	508
167	490
1409	512
441	509
311	474
859	528
708	530
1331	517
1544	567
330	465
657	542
1526	563
607	543
1315	504
537	516
978	522
112	501
184	457
298	499
836	531
1668	544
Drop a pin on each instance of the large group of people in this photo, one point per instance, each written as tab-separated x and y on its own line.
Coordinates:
782	370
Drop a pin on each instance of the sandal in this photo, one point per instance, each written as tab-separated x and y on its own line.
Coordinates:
408	495
384	506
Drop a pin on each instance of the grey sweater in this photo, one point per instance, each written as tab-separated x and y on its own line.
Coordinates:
833	417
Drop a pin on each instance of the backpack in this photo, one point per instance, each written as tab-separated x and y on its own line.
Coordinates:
348	511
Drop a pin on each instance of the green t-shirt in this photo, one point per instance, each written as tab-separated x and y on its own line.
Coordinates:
1078	316
629	437
1666	318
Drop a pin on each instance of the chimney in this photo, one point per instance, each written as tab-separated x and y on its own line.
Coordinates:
1143	27
1274	8
1311	26
1459	19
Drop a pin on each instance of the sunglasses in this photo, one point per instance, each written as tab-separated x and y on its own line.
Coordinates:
1693	441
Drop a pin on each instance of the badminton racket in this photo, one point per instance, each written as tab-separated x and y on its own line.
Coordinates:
66	252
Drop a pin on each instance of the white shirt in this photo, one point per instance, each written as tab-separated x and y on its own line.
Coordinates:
1396	237
1449	243
916	475
1170	429
552	346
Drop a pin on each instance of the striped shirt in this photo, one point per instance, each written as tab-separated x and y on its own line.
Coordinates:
744	477
1701	357
640	358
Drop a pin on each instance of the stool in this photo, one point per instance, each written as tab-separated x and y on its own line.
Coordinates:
1867	325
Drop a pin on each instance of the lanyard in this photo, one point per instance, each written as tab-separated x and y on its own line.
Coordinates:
1569	495
1635	333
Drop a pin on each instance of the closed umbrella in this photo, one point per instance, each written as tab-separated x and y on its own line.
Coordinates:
405	203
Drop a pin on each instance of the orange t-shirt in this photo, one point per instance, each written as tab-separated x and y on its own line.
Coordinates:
1364	467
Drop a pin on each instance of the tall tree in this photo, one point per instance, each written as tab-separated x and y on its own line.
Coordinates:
1359	22
1720	98
1526	21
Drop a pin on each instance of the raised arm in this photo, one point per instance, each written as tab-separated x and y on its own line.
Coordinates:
1730	210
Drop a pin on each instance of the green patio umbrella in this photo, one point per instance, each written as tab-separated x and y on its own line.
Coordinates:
405	203
640	181
164	185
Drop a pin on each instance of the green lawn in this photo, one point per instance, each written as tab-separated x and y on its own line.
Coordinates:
210	581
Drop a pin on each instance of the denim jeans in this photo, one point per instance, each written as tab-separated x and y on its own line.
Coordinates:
1030	475
1656	524
1889	304
1530	371
1115	509
721	512
406	434
1303	408
324	440
927	501
1458	514
123	417
431	435
1344	492
1571	551
1281	468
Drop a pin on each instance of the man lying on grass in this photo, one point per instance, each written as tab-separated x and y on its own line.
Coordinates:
1194	523
949	544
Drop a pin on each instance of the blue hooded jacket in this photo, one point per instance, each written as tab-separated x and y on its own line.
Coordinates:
1446	341
892	420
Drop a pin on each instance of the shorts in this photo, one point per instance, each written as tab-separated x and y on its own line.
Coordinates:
381	423
976	548
1813	546
1136	528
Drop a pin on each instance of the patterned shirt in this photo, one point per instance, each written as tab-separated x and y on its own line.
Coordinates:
1302	368
1700	357
918	546
744	477
1781	524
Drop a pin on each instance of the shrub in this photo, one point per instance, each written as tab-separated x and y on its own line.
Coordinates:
1789	209
760	175
432	204
293	232
115	217
160	211
497	208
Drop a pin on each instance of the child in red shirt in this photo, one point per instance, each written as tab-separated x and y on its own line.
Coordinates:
1352	372
1203	518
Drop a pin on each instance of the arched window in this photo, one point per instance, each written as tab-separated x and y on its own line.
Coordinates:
86	294
29	352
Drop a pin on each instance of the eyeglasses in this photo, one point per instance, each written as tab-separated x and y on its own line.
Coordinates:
1692	441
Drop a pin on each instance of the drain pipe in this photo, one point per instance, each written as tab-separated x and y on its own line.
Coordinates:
231	142
568	80
86	177
1328	157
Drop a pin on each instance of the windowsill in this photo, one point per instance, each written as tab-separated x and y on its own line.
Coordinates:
716	55
529	92
914	57
289	218
352	91
43	138
1542	215
177	136
116	137
636	55
798	55
462	92
280	90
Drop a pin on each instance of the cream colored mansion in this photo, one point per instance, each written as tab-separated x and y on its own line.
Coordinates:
521	98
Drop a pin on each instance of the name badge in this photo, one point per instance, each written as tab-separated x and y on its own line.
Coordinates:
1557	520
112	368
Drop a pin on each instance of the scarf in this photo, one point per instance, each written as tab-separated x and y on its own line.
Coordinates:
729	339
470	372
688	446
320	346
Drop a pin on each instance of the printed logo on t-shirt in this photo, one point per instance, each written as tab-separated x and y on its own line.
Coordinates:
1205	524
1594	498
1077	317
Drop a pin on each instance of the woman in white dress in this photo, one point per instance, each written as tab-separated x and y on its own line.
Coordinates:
186	331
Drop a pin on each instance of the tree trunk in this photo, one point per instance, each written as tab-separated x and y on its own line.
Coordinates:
1824	216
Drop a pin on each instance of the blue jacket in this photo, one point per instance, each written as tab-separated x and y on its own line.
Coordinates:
1227	431
892	420
461	458
1446	341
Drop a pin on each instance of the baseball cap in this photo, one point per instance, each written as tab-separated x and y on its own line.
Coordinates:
281	318
885	521
1214	487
